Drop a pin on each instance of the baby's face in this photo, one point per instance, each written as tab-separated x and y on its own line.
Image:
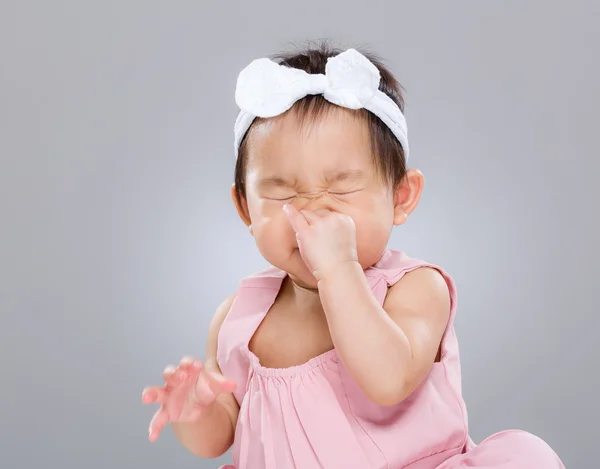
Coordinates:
328	165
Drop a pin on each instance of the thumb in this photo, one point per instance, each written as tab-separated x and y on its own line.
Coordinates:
219	384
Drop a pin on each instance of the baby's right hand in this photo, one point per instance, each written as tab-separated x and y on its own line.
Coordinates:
189	390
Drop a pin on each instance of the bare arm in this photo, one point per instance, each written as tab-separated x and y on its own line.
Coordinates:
212	435
388	350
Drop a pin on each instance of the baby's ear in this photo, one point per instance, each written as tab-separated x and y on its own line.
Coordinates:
241	205
407	195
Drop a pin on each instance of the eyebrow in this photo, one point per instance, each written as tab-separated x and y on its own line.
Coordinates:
340	176
275	181
350	175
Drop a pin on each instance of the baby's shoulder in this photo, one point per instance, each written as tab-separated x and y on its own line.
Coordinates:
401	271
394	264
263	276
247	293
219	316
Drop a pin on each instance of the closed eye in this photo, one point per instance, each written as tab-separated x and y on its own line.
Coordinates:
281	200
345	193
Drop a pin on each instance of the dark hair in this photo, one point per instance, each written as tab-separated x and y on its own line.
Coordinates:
387	151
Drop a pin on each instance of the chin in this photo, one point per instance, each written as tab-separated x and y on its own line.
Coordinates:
308	282
298	271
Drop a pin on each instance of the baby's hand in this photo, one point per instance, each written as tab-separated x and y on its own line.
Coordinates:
189	390
325	238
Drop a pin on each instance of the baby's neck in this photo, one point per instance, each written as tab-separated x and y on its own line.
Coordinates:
305	297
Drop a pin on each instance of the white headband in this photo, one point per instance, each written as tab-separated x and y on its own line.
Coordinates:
267	89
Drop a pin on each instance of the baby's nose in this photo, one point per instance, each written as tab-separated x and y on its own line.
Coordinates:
312	195
313	200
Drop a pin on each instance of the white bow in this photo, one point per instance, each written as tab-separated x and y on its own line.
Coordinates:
267	89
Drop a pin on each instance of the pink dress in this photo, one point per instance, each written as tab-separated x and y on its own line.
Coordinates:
314	416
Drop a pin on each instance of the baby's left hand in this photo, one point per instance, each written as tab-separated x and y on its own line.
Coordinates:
325	238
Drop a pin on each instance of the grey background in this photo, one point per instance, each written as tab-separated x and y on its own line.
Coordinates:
118	238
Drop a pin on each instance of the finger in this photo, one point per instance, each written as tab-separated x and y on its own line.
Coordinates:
219	384
296	219
154	394
168	372
158	423
172	376
321	212
190	364
184	372
313	216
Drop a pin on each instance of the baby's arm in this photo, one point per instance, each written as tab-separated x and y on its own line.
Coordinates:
388	351
211	435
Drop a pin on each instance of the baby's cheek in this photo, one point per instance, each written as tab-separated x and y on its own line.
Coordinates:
270	223
274	233
372	235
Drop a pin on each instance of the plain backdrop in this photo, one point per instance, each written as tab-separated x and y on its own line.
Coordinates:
118	238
